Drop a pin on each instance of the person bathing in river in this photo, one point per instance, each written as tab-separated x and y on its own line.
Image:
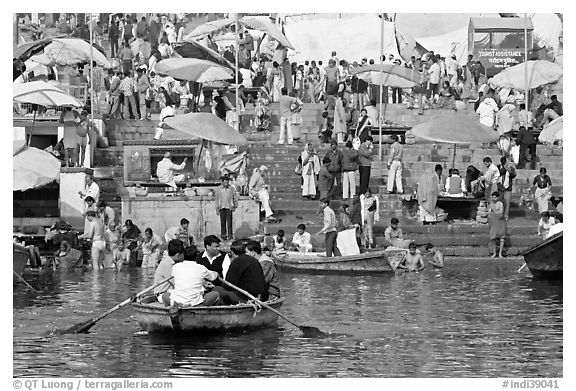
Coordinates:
413	261
433	256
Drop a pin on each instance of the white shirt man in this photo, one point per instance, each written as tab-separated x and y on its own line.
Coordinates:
302	240
91	189
434	73
165	170
189	278
452	69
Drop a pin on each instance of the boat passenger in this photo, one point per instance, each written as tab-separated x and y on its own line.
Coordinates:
393	232
254	249
329	229
413	261
434	256
164	270
246	273
279	244
301	241
190	282
212	258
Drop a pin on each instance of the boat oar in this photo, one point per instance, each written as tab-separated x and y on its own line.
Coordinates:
24	281
308	331
85	326
522	267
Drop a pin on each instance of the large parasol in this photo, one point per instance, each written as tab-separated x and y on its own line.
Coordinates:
455	129
192	69
32	167
389	75
553	131
193	49
70	51
43	94
206	126
540	72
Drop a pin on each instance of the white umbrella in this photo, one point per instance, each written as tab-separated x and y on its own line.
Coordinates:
540	72
69	51
43	94
193	69
32	167
553	131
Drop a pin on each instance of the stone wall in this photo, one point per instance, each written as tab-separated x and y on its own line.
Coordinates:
160	212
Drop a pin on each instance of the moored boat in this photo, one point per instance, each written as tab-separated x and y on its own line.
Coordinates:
369	262
157	318
545	260
20	258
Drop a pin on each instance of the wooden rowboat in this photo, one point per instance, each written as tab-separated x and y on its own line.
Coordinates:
369	262
157	318
19	258
545	260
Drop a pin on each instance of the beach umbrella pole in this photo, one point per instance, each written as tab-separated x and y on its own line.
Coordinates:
237	123
526	61
380	86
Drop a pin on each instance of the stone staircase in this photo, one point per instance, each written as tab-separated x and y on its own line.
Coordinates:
459	238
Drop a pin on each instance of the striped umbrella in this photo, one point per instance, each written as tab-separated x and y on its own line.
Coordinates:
43	94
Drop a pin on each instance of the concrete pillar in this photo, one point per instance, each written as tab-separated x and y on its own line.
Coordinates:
72	180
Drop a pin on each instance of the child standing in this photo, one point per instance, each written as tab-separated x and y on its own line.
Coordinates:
497	224
279	244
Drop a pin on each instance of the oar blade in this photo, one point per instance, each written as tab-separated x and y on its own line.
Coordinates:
311	332
80	328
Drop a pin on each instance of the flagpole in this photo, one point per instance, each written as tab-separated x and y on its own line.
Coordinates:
526	61
380	86
237	123
91	87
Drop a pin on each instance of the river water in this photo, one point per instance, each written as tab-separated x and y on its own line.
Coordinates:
471	319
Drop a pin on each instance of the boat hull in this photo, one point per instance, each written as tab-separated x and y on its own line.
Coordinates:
20	258
370	262
157	318
545	261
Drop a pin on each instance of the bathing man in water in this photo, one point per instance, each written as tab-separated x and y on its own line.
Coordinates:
413	261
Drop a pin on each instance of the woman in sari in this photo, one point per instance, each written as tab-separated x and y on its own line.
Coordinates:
468	83
150	248
261	111
131	236
542	186
275	81
427	195
313	82
310	168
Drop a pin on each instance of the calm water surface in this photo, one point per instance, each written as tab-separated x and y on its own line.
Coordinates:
471	319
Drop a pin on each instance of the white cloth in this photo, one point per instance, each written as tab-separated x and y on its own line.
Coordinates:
165	171
285	129
346	242
167	111
303	242
188	282
225	262
555	229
